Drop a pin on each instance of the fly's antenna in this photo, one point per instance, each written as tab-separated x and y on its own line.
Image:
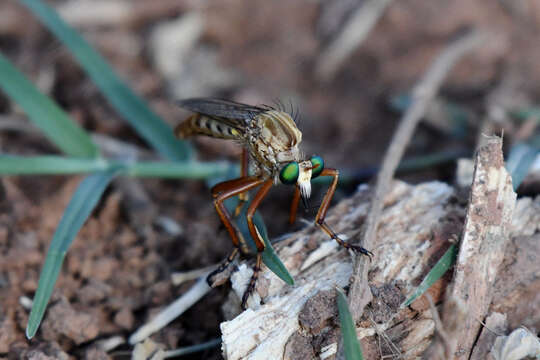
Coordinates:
296	114
292	111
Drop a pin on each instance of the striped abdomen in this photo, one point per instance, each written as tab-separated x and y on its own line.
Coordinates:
198	124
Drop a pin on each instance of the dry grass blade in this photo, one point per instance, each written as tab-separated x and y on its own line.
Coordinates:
352	35
423	93
171	312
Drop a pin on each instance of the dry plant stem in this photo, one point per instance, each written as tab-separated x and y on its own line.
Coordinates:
122	13
485	235
352	35
171	312
441	333
423	93
178	278
19	124
114	148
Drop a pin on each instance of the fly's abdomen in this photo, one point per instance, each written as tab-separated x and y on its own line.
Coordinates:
198	124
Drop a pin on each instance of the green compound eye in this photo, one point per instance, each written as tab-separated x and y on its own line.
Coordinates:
289	174
318	166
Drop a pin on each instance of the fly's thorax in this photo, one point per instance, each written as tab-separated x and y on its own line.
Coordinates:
278	130
274	138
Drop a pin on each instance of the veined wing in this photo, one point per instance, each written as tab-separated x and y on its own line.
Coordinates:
216	118
223	110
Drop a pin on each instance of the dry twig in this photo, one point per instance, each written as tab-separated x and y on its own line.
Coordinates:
352	35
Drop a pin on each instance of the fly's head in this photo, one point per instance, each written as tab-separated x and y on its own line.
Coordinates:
300	173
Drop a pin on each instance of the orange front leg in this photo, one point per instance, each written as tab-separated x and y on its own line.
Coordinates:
294	205
321	214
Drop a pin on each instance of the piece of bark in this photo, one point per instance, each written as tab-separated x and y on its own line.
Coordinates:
484	239
520	344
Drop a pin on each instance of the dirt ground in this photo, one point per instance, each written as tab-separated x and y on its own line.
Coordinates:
117	273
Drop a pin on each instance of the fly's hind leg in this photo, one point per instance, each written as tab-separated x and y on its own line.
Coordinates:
253	281
242	197
220	193
211	278
255	235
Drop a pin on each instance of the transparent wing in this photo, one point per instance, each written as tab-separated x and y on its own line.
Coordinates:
229	112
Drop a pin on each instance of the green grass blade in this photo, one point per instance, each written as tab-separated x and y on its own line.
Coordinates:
520	159
79	208
149	126
351	345
269	256
440	268
45	114
49	165
62	165
185	170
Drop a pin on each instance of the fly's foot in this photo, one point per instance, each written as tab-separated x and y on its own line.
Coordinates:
212	278
356	248
360	250
252	282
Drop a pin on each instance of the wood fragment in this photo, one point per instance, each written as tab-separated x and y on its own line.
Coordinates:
520	344
485	235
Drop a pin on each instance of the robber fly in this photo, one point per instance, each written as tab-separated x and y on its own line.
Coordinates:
271	155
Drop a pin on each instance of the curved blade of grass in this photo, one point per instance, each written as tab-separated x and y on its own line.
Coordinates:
79	208
520	159
351	345
269	256
440	268
49	165
147	124
45	114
